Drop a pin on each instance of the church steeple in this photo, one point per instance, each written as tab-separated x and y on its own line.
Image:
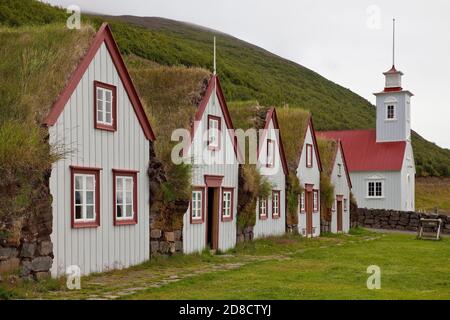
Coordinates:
393	106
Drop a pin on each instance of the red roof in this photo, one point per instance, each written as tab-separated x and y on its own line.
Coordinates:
363	153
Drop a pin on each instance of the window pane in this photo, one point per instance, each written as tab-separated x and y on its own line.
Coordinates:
129	184
90	197
107	106
78	197
89	212
99	93
100	105
119	183
108	95
129	211
108	118
119	211
78	212
119	197
89	183
100	115
78	182
128	197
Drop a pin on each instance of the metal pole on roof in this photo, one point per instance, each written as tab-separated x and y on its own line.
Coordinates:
393	42
215	70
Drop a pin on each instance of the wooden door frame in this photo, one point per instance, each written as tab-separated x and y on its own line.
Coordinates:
213	183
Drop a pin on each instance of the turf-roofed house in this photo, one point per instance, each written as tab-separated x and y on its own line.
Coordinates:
197	202
335	187
381	160
95	120
266	154
305	167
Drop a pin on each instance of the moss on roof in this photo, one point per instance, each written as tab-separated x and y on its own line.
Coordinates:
35	64
247	114
171	95
293	124
327	150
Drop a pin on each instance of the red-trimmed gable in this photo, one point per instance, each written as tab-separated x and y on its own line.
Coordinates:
272	115
104	35
316	147
214	83
363	153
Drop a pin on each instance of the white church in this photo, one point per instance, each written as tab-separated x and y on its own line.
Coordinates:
381	161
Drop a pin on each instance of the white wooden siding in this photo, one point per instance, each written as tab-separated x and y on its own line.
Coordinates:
108	246
309	176
341	187
194	235
276	177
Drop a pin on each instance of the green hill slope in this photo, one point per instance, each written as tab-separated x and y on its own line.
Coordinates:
247	72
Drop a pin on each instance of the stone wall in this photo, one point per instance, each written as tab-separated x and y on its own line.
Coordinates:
25	243
397	220
166	243
245	234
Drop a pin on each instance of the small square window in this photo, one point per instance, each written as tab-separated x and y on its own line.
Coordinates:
197	205
105	105
125	197
227	204
375	189
262	208
214	125
390	112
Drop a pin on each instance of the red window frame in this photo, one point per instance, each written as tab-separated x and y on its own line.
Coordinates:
315	200
230	218
261	216
276	216
309	155
96	173
102	126
219	129
270	145
134	219
202	219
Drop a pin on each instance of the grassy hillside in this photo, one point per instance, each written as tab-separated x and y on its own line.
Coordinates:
247	72
433	194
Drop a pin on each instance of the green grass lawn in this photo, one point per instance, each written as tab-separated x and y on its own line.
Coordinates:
330	267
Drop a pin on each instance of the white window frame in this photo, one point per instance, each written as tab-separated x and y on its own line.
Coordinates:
262	208
276	203
197	205
339	169
270	161
213	132
84	192
315	200
375	182
104	103
226	204
124	202
309	155
302	202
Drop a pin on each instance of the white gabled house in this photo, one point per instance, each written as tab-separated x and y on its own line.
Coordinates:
210	221
335	167
100	188
271	212
308	172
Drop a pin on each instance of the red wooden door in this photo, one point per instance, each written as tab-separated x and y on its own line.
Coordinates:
309	212
339	216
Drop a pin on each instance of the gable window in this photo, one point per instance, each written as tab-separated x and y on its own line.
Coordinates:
375	189
125	197
262	208
339	170
105	104
85	197
275	204
345	204
309	155
316	200
270	153
197	205
302	202
213	132
227	204
390	112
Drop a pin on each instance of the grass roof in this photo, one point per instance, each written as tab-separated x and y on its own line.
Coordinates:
35	65
293	123
171	95
247	114
327	150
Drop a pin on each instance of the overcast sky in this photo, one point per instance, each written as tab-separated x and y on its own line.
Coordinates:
348	42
